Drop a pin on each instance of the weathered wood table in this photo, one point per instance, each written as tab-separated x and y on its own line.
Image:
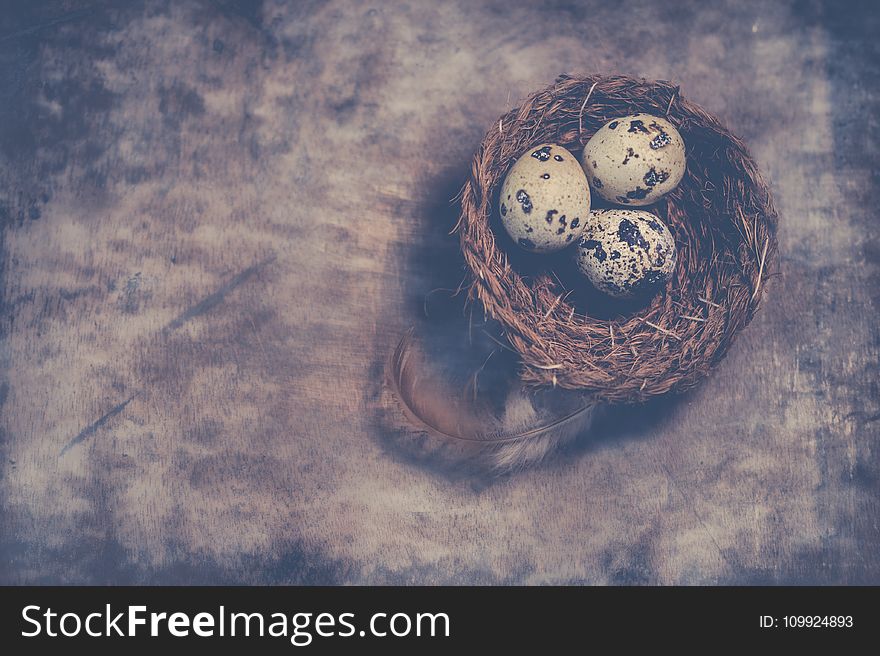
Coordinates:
217	217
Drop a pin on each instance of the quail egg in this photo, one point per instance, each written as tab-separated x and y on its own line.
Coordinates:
545	199
626	253
634	160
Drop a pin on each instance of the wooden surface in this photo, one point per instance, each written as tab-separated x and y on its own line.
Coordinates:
218	216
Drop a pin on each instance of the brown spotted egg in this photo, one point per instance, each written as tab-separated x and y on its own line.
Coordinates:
634	160
626	253
545	199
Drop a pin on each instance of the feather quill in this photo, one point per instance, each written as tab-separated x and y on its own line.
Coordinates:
522	434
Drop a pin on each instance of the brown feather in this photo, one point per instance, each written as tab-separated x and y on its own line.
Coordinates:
510	441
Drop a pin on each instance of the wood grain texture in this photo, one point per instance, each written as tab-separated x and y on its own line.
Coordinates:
218	216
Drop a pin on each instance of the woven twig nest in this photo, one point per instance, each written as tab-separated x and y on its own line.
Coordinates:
721	216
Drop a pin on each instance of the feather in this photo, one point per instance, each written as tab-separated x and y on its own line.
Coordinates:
528	427
531	445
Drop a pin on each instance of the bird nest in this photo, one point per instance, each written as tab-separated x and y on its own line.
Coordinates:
721	216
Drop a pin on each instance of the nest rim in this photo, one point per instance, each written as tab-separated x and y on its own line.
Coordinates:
722	217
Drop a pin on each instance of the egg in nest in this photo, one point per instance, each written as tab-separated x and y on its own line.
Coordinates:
545	199
626	253
634	160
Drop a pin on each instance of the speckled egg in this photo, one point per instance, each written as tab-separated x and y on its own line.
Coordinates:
626	253
545	199
634	160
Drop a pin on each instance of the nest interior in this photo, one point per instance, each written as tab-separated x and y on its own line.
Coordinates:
722	218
